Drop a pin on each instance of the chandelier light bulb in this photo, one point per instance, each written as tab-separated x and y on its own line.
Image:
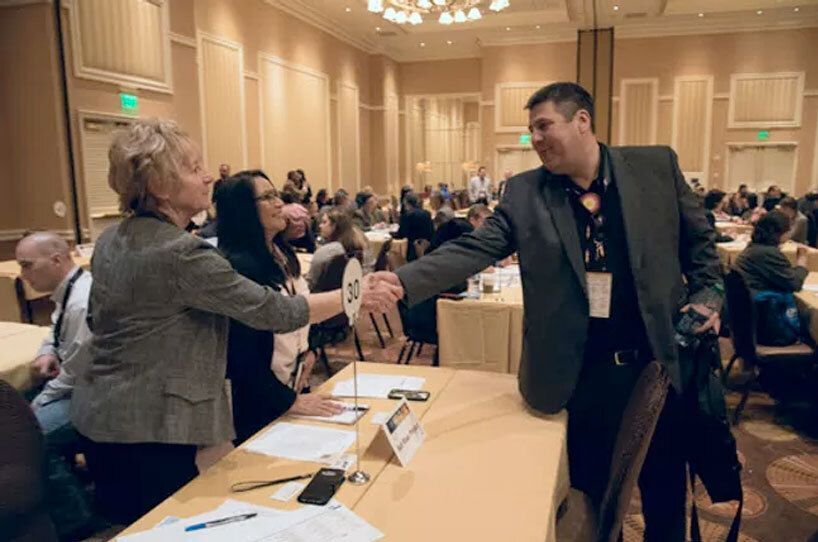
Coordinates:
375	6
390	14
401	17
440	3
415	18
424	4
459	16
474	14
446	18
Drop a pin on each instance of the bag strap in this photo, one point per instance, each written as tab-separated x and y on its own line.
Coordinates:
695	533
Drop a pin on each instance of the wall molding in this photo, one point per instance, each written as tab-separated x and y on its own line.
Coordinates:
708	123
498	113
339	139
14	4
82	71
181	39
732	123
740	144
654	128
251	75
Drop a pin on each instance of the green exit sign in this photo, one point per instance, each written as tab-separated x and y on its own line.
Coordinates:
128	103
763	135
525	139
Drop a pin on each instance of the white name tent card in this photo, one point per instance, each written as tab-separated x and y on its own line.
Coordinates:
404	433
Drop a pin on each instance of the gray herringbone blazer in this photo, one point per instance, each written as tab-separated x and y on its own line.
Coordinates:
159	309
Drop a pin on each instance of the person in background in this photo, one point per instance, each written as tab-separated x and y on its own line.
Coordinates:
415	223
298	232
368	216
501	188
456	227
303	185
443	212
322	199
262	365
772	280
716	202
46	264
341	236
480	187
798	222
341	199
806	203
444	191
738	205
772	197
154	390
224	173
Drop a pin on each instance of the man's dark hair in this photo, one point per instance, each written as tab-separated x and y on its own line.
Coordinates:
789	203
412	200
770	227
252	173
568	98
713	198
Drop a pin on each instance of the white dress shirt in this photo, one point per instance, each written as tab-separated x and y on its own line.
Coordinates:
72	350
479	188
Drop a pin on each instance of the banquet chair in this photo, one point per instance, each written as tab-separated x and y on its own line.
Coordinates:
578	521
23	514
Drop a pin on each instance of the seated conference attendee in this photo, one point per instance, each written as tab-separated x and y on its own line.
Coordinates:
772	280
340	236
456	227
415	223
799	224
262	365
160	304
368	216
46	264
299	231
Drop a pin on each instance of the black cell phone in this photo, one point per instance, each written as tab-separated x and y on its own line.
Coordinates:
411	395
322	486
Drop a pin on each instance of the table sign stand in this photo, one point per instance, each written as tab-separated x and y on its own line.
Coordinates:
351	301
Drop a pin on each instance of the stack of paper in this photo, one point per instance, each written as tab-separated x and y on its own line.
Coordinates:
349	416
302	442
377	386
310	523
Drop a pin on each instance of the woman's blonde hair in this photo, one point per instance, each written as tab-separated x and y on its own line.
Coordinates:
145	158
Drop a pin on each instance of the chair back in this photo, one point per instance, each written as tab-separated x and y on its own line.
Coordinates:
331	279
632	443
741	316
23	516
382	261
421	246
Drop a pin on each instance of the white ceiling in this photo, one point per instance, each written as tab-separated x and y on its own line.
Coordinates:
539	21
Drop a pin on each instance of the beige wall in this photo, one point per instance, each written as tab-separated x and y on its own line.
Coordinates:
32	143
721	55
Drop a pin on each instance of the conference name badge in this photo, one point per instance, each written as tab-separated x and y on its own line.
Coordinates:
599	294
404	433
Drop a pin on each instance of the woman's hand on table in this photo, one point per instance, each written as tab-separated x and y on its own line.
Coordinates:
315	404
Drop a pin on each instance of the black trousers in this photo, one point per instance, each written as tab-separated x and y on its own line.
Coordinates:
594	415
130	479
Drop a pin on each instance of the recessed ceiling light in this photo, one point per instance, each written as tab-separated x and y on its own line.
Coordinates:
508	28
347	9
449	42
537	27
377	29
759	12
616	7
422	44
701	14
796	9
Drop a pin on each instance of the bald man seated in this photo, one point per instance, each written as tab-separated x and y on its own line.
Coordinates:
47	265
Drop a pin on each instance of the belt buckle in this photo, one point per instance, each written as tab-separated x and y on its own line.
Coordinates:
620	357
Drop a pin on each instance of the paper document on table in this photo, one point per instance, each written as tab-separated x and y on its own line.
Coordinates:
377	386
349	416
302	442
811	287
309	523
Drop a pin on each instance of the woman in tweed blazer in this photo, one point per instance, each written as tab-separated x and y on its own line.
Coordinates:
159	309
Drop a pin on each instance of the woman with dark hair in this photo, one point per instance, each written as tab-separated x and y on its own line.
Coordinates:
715	203
322	198
340	236
771	278
367	215
263	367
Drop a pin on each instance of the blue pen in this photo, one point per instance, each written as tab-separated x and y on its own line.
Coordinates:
217	522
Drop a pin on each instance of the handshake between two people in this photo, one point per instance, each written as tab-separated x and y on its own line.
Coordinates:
382	291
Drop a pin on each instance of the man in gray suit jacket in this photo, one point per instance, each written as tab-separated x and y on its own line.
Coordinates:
613	245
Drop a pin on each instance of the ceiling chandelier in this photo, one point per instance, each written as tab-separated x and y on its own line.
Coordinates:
446	11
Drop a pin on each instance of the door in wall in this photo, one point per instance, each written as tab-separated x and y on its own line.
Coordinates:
760	166
516	160
102	203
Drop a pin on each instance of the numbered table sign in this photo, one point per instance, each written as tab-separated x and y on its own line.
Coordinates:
351	289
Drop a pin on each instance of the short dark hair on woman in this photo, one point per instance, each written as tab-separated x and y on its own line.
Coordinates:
568	98
713	198
770	227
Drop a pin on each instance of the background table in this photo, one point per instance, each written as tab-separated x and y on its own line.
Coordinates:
18	347
734	229
483	334
377	238
15	293
728	252
488	465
